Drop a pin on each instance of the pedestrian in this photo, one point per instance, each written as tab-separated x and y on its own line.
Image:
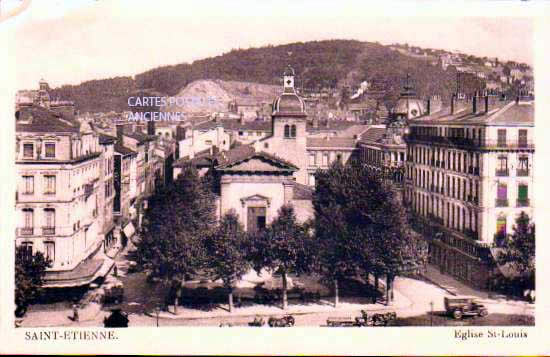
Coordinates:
115	270
75	312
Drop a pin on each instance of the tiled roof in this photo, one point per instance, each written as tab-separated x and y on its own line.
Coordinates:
235	124
245	152
124	150
38	119
106	139
499	113
302	192
330	142
373	134
140	137
332	125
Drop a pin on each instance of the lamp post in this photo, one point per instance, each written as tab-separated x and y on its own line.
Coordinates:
157	312
431	313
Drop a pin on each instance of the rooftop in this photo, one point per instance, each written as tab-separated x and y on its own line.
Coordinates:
373	135
38	119
331	142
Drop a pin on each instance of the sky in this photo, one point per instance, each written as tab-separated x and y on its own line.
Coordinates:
70	41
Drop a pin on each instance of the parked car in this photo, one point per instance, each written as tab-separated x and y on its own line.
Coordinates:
459	306
285	321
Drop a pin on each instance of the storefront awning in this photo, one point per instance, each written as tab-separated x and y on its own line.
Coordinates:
83	274
129	230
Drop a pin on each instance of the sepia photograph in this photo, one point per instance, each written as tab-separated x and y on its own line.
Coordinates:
292	169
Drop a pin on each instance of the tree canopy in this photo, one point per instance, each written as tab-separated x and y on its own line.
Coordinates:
519	247
30	270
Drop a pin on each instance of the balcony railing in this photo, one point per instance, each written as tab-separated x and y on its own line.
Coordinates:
501	203
522	202
471	234
48	231
522	172
26	231
502	172
468	142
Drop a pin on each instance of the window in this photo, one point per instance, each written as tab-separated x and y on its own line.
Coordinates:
266	145
287	131
50	150
49	251
339	157
523	200
523	166
501	138
27	250
49	217
312	159
28	217
49	184
256	219
502	195
522	138
241	133
259	133
501	225
28	150
28	182
208	142
502	166
293	131
325	159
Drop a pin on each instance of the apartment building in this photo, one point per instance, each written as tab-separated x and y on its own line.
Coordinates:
61	168
469	174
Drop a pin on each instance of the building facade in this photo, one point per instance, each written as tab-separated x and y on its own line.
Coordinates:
470	174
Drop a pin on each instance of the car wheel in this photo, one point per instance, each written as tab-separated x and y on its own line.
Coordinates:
483	313
457	314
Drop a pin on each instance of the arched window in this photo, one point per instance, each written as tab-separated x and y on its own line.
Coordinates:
287	131
293	131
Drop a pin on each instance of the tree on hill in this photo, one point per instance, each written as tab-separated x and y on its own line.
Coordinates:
284	246
227	249
177	222
519	248
30	270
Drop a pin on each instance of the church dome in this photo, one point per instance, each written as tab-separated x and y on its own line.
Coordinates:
289	103
408	104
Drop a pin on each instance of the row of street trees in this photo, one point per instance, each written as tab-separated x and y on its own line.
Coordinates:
359	228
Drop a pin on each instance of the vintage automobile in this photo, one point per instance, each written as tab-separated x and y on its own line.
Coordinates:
459	306
376	319
285	321
114	293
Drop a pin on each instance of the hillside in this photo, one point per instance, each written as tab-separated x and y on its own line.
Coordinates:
318	64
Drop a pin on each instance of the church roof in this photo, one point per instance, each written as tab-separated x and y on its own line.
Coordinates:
245	158
373	135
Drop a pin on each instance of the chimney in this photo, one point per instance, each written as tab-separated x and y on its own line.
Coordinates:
486	103
429	106
120	133
151	127
453	99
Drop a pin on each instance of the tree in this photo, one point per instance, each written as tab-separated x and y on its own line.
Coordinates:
519	248
285	246
227	249
177	221
30	270
362	226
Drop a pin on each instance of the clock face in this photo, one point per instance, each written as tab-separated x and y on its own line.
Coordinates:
289	81
414	112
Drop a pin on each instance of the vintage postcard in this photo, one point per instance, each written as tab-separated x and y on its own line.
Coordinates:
245	177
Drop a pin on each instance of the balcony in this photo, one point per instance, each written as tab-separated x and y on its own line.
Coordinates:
522	202
26	231
502	172
470	143
48	231
522	172
501	203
